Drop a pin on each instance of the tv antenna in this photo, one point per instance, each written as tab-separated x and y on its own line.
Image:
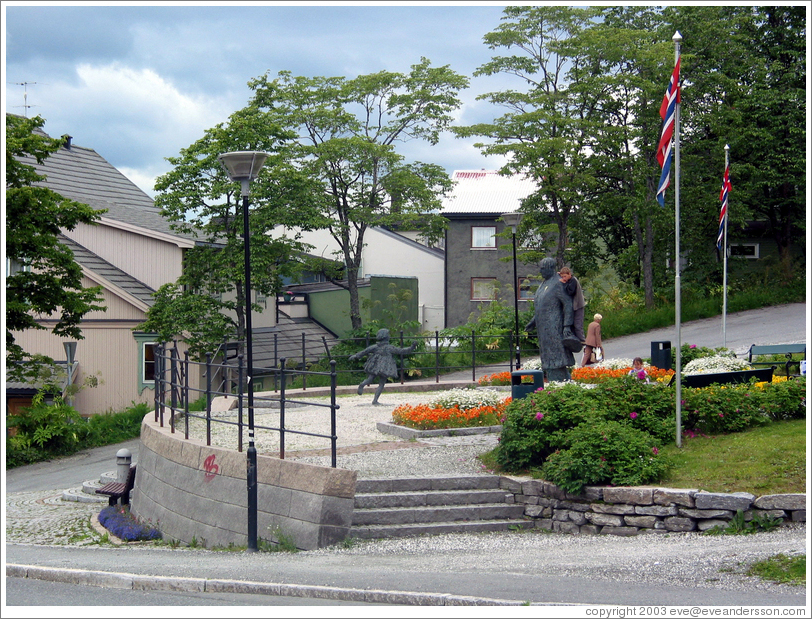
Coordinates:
25	96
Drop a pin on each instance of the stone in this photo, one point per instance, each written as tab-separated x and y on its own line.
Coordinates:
578	507
578	518
533	511
675	523
527	500
799	515
781	501
562	515
533	487
656	510
593	493
717	500
771	513
590	529
551	490
544	523
647	522
669	496
704	525
605	519
634	496
511	485
603	508
725	514
566	527
622	531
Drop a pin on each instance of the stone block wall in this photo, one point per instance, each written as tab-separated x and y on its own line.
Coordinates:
192	491
630	511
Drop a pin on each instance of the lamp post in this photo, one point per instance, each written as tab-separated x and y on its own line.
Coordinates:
513	219
243	166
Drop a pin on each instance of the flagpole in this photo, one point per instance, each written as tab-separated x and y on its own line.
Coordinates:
677	38
724	262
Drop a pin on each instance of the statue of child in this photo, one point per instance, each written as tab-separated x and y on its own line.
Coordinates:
381	362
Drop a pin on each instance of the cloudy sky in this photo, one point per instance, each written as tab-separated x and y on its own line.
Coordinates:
138	83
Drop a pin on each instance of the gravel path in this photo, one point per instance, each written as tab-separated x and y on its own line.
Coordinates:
361	447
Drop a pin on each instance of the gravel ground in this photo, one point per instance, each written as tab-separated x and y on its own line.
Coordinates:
361	447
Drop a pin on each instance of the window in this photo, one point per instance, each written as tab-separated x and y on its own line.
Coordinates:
745	250
13	267
148	367
483	237
527	288
483	288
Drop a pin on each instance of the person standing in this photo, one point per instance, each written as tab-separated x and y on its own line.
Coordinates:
593	339
573	288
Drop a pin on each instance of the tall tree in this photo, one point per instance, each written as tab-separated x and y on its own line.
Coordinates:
207	303
46	280
547	131
346	136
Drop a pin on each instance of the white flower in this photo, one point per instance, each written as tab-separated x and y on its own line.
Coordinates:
531	364
468	398
715	364
618	363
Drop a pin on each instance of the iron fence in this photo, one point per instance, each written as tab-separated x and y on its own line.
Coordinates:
434	358
173	394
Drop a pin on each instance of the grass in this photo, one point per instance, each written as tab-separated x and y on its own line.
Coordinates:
781	569
766	460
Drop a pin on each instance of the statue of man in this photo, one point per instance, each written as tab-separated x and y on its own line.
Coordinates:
554	319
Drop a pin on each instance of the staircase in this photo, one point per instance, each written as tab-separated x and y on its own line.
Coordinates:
408	506
87	493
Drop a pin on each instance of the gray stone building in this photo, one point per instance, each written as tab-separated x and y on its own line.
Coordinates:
474	273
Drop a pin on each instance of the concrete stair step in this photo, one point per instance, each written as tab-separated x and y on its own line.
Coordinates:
423	484
80	496
431	497
436	513
437	528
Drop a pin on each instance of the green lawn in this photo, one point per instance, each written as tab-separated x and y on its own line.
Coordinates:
766	460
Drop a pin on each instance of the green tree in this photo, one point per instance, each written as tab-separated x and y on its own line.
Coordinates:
548	128
347	131
207	303
45	280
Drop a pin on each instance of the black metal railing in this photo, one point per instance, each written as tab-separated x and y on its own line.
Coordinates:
173	394
435	358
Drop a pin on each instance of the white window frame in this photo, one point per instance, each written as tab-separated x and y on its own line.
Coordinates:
756	250
474	280
491	241
144	379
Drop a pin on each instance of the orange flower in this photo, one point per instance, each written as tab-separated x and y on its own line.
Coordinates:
424	417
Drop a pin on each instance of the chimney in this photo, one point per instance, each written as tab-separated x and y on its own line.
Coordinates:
67	140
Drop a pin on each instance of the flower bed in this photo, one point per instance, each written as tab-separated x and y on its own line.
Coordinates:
598	373
120	522
456	408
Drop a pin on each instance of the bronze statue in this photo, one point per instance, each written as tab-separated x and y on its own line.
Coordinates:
381	363
553	320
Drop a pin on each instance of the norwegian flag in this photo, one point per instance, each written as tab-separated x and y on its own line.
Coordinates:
668	112
726	188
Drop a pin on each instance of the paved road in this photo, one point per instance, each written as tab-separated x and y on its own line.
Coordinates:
677	569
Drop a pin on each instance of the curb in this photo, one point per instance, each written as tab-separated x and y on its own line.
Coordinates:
140	582
411	433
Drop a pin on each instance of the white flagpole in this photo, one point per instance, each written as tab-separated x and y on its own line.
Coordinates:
677	38
724	249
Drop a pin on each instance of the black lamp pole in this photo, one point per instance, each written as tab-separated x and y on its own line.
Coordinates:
244	166
512	220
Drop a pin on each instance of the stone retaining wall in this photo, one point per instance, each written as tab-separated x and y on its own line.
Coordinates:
197	492
629	511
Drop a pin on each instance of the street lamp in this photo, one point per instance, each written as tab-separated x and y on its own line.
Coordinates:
513	219
244	166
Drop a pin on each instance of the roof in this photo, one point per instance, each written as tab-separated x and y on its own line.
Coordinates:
110	273
285	339
486	191
81	174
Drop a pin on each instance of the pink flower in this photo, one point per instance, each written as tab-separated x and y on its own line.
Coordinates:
655	451
633	415
539	415
721	414
693	346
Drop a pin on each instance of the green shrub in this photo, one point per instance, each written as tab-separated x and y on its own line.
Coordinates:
56	427
608	452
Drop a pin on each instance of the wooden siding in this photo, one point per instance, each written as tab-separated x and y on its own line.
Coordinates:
152	261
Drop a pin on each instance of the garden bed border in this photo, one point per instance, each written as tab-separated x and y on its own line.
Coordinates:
627	511
412	433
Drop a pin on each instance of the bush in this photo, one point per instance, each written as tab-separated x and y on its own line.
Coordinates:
120	522
608	452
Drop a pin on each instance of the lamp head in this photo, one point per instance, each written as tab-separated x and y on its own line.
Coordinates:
243	166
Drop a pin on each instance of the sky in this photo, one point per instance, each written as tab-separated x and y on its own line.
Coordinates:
139	83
